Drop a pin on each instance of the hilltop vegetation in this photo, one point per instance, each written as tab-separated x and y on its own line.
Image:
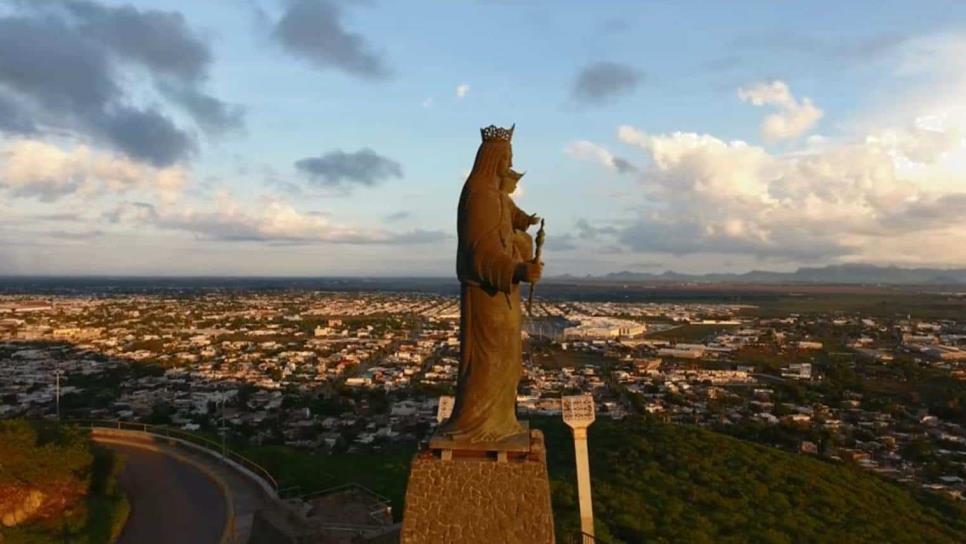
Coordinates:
658	482
56	485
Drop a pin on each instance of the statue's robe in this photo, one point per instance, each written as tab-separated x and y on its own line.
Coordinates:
490	346
523	244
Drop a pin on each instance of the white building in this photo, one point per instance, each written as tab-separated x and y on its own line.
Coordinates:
798	371
604	327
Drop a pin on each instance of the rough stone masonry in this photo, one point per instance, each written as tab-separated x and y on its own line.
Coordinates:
479	500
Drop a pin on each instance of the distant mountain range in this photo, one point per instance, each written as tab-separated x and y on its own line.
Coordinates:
835	274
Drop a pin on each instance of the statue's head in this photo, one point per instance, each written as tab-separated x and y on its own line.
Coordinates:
509	181
495	155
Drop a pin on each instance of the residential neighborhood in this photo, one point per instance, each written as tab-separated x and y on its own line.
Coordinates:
356	372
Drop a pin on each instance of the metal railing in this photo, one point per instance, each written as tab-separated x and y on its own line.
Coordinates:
215	448
344	487
383	506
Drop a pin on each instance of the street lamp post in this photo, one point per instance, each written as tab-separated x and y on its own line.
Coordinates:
578	414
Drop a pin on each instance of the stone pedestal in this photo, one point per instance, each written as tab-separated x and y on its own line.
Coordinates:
479	497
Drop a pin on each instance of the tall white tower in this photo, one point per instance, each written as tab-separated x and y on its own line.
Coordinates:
578	414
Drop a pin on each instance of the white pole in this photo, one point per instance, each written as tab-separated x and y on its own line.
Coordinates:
578	414
583	484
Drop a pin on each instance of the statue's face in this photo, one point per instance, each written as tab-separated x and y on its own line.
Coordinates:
509	181
508	184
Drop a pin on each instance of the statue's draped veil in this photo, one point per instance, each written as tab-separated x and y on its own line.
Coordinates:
490	344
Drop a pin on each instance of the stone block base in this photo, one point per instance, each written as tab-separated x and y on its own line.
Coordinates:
473	499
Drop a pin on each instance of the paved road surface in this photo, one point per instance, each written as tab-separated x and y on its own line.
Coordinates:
171	502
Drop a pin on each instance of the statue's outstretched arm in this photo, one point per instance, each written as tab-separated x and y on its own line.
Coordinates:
521	219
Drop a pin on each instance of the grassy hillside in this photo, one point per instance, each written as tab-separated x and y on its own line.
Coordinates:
63	480
670	483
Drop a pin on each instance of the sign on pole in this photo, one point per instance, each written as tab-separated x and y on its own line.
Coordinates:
577	410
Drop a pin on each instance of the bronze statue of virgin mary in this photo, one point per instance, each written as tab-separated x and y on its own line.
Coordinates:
490	267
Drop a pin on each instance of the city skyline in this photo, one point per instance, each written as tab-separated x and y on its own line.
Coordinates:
330	139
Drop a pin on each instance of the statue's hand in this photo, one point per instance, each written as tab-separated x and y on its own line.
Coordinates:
528	271
534	219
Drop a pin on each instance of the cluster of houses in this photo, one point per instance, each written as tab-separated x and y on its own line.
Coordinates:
359	372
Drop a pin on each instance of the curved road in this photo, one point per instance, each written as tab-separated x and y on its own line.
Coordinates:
171	501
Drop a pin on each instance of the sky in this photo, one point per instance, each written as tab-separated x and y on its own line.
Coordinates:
332	138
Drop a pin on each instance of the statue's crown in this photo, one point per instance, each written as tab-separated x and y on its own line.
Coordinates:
493	132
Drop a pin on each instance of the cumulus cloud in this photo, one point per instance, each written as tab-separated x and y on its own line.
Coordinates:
462	90
918	142
63	66
161	40
148	135
314	30
585	150
601	82
212	115
793	117
843	199
36	168
273	221
341	169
